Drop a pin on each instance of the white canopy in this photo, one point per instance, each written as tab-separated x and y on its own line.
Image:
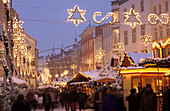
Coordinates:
16	81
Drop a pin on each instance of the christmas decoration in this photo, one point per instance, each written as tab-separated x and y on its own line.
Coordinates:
119	46
73	11
113	15
99	55
146	39
89	62
163	20
132	13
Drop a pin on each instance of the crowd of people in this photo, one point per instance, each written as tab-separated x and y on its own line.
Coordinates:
49	99
146	100
76	98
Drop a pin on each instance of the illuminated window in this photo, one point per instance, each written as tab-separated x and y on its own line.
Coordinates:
142	5
117	16
116	36
168	30
161	32
125	10
142	30
160	9
126	37
166	6
134	35
136	81
156	34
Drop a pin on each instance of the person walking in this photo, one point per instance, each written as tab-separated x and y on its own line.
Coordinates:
20	104
67	100
133	101
62	98
82	99
166	100
113	101
149	100
73	99
53	100
47	101
139	96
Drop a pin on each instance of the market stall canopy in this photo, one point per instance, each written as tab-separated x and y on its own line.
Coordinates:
80	77
103	79
132	59
47	86
155	62
16	81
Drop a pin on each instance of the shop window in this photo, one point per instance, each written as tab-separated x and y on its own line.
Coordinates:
136	81
163	53
156	84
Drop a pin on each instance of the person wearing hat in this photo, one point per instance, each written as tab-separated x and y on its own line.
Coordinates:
133	101
149	100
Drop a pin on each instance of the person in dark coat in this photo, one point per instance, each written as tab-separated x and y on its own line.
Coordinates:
166	100
67	100
82	99
62	98
73	99
149	100
112	101
47	101
139	96
133	101
20	104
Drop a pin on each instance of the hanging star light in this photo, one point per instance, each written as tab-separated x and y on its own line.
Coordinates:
146	40
119	46
132	13
100	54
73	11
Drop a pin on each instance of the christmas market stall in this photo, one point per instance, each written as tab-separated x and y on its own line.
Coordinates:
139	69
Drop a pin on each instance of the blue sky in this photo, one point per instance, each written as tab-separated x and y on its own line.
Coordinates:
54	31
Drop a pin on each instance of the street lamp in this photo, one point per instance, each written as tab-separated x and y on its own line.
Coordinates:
56	75
89	62
146	40
5	1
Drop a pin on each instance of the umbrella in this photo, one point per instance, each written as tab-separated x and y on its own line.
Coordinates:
101	88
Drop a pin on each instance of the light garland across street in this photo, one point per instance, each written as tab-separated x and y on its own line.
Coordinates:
113	15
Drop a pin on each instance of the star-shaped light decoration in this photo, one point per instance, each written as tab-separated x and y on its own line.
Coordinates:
100	54
132	13
73	11
119	46
146	40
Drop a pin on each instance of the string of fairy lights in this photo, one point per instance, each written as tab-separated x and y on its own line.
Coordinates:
22	56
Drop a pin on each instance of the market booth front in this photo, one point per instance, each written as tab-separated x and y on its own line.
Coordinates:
140	76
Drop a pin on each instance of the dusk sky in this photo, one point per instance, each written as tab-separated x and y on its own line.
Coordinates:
45	20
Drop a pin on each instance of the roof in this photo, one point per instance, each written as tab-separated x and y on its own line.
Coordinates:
136	56
103	79
91	74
